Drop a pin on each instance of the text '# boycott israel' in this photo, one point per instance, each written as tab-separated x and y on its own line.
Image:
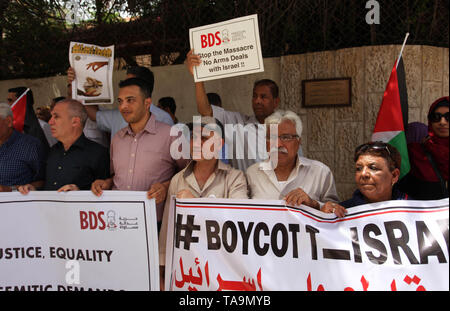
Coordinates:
376	247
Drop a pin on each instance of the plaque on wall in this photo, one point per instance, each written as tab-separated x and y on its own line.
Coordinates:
327	92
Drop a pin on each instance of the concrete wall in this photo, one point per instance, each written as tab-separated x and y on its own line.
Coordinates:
330	134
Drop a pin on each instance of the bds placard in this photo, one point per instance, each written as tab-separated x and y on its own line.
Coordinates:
227	49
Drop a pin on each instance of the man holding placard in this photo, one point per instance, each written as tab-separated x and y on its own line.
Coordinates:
236	39
265	101
228	49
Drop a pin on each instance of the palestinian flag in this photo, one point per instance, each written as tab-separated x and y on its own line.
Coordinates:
392	119
25	120
19	109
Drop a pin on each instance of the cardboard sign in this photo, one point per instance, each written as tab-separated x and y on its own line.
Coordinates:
227	49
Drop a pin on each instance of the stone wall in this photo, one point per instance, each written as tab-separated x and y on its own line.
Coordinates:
330	134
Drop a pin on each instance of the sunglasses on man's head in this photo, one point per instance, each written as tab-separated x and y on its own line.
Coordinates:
436	116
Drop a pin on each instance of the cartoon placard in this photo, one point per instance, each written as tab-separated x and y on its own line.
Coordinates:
93	67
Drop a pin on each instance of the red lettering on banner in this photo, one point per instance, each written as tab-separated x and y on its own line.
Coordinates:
84	224
101	220
191	279
320	288
365	284
92	220
408	280
243	285
249	284
393	286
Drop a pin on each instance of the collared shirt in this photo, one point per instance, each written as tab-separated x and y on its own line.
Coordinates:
83	163
111	120
224	182
22	160
245	138
313	177
140	160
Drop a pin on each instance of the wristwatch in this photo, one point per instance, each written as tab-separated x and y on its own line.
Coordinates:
13	188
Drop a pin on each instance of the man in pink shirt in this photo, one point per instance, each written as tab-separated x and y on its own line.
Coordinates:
140	152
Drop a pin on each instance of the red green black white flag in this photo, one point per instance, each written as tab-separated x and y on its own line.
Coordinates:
19	108
392	119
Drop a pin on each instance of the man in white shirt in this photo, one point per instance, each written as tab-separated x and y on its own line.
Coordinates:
245	135
285	175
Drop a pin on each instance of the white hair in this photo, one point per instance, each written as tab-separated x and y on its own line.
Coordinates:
281	115
5	110
76	109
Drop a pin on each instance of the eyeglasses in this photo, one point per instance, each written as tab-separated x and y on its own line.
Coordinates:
283	137
436	116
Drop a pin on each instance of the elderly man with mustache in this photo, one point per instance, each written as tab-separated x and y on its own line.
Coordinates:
285	175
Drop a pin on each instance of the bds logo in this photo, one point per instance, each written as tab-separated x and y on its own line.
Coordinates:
210	39
91	220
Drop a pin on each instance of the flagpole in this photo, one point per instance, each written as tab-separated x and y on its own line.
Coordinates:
17	100
401	51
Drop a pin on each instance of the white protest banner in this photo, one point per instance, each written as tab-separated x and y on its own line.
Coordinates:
75	241
220	244
93	67
227	49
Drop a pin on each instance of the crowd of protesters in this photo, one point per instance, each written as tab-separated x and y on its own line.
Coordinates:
68	146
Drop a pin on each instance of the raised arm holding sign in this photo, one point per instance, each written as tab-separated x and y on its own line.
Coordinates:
230	48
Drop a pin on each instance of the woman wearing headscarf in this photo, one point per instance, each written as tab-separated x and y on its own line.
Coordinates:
428	178
377	169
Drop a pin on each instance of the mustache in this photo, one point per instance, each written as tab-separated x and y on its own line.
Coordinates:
281	150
